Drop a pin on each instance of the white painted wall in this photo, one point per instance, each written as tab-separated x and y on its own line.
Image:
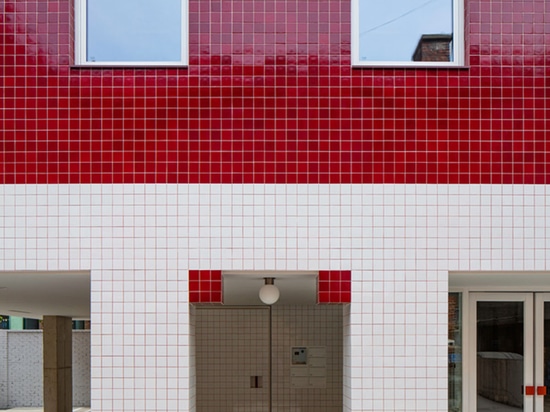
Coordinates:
399	241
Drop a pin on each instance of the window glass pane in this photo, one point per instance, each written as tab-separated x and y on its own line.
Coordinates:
455	352
500	356
405	30
134	31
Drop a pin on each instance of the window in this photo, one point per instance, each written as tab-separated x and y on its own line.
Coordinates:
131	32
407	33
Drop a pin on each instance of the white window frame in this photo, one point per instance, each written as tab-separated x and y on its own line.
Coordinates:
458	41
80	7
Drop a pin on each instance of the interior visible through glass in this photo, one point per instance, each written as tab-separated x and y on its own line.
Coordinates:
500	353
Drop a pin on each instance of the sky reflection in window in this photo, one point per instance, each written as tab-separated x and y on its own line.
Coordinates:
134	31
389	30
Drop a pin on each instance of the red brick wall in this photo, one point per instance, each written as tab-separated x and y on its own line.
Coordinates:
433	48
270	97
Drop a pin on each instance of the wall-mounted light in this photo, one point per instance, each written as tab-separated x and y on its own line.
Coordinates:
269	293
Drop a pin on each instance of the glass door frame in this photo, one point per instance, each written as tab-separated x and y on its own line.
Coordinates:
467	283
540	299
528	342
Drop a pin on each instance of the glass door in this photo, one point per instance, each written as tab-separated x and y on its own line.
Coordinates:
510	360
503	357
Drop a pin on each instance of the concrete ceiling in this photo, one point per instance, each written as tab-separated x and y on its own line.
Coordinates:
505	281
38	294
296	288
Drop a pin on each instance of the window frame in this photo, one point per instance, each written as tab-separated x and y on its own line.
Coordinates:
458	42
80	52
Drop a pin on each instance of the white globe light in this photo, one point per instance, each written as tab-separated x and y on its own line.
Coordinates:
269	294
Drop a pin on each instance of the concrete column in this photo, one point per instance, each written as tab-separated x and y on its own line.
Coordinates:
58	364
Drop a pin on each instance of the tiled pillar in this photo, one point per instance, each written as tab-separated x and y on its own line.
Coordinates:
58	373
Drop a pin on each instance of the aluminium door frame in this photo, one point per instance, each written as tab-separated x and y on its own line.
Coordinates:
540	299
528	341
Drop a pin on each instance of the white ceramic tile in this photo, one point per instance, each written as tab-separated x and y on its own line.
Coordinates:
410	235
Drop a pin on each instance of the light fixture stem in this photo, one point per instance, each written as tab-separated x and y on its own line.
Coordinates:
269	281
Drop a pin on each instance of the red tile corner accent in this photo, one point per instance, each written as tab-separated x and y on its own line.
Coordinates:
334	286
205	286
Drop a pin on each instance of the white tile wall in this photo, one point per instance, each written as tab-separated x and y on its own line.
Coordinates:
400	241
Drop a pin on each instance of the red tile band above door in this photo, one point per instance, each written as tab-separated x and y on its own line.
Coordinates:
334	286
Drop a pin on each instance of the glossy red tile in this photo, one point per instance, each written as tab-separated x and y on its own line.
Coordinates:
334	286
205	286
270	97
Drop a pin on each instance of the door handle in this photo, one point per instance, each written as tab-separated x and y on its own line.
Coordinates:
530	390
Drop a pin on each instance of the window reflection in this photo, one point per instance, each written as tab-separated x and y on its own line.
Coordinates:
405	30
500	355
134	31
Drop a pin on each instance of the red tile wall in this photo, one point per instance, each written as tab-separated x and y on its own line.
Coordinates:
270	97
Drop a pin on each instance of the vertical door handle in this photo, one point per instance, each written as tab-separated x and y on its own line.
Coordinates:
541	390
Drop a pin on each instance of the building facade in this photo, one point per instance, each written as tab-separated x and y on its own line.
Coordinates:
413	194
